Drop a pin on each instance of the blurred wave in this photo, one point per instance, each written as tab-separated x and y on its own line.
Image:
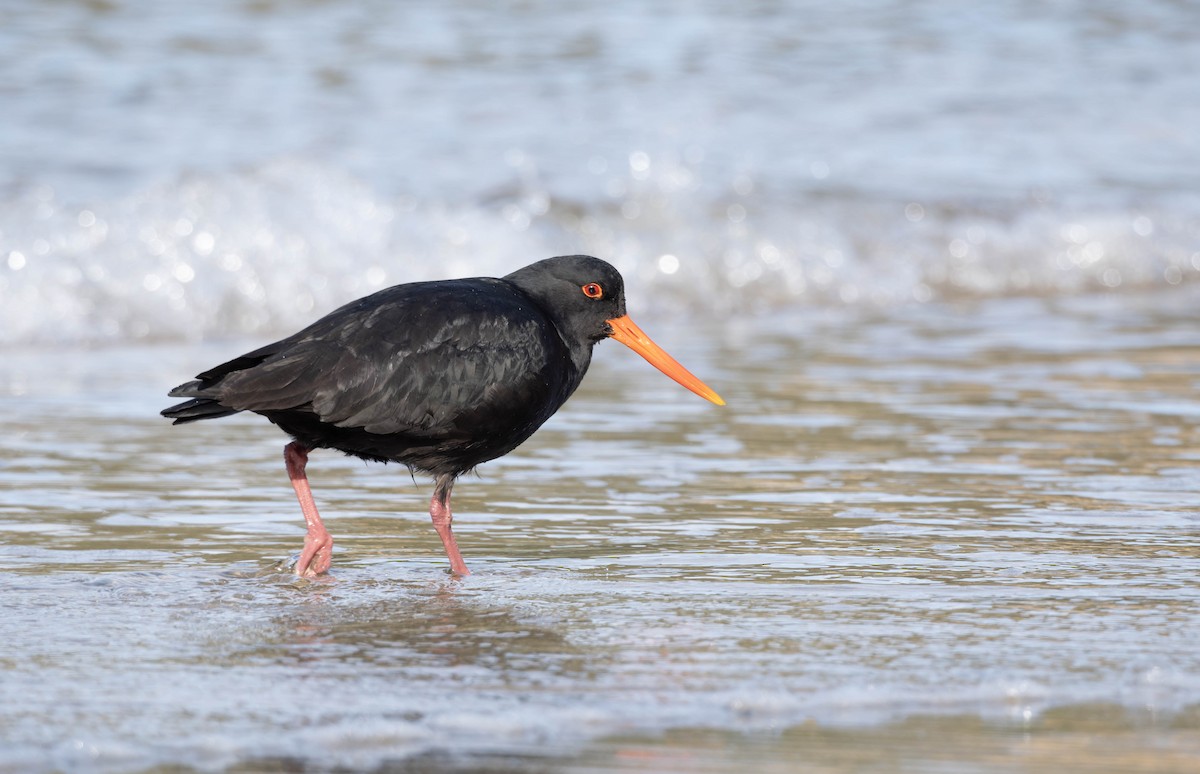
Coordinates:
240	167
268	249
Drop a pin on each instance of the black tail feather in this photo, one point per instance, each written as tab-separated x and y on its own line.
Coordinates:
197	409
187	389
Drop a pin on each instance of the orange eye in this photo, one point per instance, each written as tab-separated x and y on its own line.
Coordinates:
593	290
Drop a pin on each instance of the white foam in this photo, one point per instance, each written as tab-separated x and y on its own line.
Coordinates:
269	249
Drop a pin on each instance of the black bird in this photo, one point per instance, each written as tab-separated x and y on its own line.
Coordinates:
439	376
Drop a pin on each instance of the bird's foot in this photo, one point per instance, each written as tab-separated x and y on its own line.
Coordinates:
317	554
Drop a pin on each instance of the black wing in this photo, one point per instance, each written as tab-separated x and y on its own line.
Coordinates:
441	359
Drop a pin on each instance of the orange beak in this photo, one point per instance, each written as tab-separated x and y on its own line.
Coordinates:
631	336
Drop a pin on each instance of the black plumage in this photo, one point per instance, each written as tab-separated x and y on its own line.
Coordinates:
439	376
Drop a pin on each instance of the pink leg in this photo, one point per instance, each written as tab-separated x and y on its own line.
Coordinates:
318	543
439	511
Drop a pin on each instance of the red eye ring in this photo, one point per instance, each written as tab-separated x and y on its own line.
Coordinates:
593	290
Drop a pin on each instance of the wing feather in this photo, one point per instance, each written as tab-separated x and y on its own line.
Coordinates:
446	359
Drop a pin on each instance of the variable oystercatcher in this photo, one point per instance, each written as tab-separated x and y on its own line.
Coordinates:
439	376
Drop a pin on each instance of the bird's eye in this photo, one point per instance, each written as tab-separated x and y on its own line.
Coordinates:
593	290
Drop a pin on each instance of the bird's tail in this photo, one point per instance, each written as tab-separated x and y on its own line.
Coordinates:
195	409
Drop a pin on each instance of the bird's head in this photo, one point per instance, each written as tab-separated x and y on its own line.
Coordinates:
586	297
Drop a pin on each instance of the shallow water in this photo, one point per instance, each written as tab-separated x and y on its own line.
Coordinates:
957	536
